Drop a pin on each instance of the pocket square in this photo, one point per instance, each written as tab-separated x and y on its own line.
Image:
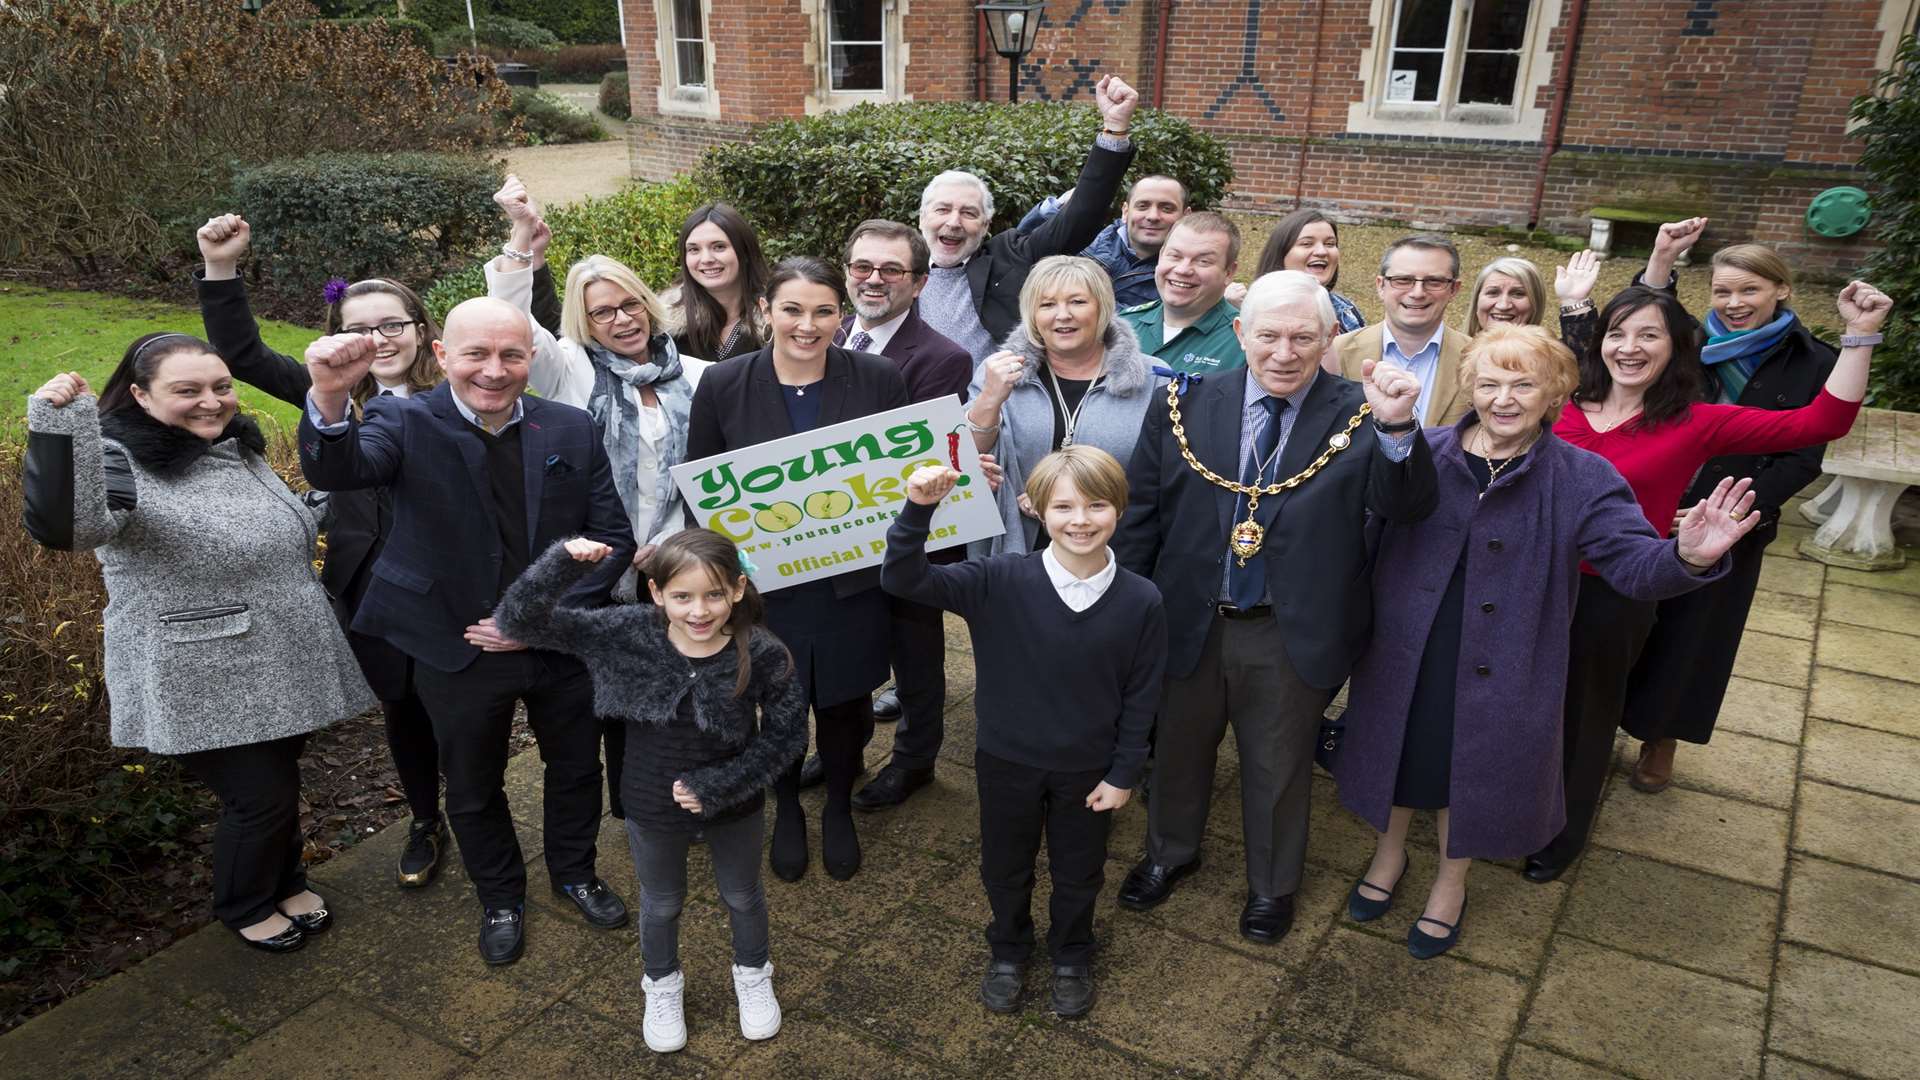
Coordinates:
558	466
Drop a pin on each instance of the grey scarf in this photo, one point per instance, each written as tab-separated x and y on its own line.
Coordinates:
618	417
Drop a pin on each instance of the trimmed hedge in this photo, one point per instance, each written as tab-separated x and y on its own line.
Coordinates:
548	119
572	21
410	216
615	98
804	191
1889	124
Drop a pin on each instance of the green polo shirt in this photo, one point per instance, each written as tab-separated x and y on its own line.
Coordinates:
1205	347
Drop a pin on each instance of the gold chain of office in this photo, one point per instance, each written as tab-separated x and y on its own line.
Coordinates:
1247	536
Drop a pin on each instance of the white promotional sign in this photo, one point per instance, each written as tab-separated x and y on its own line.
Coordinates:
818	504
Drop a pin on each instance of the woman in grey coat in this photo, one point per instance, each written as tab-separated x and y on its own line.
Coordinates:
221	649
1070	373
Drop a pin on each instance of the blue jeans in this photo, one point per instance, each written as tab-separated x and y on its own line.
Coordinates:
660	862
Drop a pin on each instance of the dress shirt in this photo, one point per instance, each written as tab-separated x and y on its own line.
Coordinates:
880	335
399	390
1078	594
1421	364
324	428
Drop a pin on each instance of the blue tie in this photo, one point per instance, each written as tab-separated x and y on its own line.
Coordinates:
1247	585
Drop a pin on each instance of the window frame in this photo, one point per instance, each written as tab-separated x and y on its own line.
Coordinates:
893	57
1447	116
673	96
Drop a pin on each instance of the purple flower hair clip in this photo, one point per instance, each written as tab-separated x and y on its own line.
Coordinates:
336	290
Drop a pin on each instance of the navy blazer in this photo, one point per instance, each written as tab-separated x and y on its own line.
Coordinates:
1318	564
438	572
930	361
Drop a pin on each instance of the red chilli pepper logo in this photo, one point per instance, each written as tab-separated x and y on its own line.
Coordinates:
953	449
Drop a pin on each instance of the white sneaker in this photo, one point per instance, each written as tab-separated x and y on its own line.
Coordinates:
759	1009
666	1024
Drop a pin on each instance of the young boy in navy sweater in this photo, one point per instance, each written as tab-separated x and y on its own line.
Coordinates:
1070	650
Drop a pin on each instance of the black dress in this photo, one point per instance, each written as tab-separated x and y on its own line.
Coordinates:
1425	779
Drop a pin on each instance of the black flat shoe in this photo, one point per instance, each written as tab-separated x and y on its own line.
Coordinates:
420	859
313	922
502	934
1149	884
1266	919
1425	946
598	904
1072	990
292	939
1542	873
813	772
891	788
886	705
1362	908
1000	988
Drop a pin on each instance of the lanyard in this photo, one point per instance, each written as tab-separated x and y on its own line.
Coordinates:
1060	402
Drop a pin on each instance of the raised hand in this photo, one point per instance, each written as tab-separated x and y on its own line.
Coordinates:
931	483
1236	293
1716	523
1574	282
223	242
1672	241
60	390
538	241
585	550
514	201
1117	101
337	363
1107	797
1003	372
1863	308
1391	390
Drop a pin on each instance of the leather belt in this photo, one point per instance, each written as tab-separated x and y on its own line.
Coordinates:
1257	611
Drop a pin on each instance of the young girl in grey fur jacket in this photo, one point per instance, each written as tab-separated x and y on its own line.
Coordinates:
688	675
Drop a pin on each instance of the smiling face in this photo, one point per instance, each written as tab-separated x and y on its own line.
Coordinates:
874	299
1503	300
1317	251
710	257
627	333
392	356
1636	349
1078	523
1068	318
1744	300
697	606
954	222
485	350
1153	207
1416	309
1283	346
1510	404
804	316
1193	270
192	391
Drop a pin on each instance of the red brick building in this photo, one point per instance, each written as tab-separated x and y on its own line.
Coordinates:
1460	112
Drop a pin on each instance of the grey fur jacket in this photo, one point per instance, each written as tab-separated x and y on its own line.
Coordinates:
218	632
1110	418
641	678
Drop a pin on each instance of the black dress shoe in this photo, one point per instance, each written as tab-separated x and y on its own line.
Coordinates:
891	787
289	940
886	705
813	773
1149	883
502	934
599	904
420	859
1266	919
1072	990
1540	872
1000	989
312	922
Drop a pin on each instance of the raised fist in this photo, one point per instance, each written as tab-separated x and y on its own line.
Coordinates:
1391	390
514	200
223	242
931	483
1863	308
338	362
1117	101
60	390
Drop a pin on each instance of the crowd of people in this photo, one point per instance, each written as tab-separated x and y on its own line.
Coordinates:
1221	503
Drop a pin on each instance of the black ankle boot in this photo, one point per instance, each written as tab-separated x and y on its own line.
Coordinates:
839	844
788	857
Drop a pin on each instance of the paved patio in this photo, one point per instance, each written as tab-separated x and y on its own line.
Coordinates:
1762	918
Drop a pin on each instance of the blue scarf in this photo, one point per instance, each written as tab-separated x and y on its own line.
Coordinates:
1733	355
617	415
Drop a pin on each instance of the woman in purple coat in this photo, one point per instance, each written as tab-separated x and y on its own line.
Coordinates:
1455	706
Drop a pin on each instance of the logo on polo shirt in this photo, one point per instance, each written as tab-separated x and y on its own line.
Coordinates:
1191	361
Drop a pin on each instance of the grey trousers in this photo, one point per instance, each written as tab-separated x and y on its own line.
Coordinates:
660	862
1244	679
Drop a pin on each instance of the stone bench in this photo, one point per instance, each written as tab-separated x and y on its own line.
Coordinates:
1601	220
1872	465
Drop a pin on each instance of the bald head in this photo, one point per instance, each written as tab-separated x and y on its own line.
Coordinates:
485	347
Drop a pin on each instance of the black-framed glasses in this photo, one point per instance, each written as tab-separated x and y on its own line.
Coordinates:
392	328
633	309
1406	281
891	273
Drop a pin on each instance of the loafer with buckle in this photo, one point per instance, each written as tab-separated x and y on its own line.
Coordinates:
599	904
1000	989
886	705
1072	990
1266	919
1149	884
891	787
420	859
289	940
502	934
312	922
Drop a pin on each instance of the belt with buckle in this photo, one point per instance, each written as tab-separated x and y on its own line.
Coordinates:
1257	611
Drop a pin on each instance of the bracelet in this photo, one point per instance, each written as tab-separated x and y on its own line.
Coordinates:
978	430
1578	307
1400	428
1849	341
1115	134
516	256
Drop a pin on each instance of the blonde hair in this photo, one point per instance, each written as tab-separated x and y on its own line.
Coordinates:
1095	473
1520	270
1528	350
1057	271
1755	259
573	310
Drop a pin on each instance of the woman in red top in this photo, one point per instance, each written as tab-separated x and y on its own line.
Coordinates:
1639	407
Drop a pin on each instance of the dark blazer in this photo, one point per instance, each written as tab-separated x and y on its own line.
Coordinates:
739	403
1318	567
996	273
929	361
439	570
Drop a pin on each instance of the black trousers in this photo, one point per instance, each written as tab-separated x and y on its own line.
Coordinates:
1609	632
416	753
1019	803
472	714
917	652
1677	688
256	845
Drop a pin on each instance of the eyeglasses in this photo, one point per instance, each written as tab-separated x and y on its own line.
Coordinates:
890	273
633	309
1405	281
390	329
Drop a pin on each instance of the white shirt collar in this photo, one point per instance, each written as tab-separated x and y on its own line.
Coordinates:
1077	593
519	410
880	334
399	390
1393	343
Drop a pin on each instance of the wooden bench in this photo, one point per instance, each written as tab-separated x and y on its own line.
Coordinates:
1873	464
1602	218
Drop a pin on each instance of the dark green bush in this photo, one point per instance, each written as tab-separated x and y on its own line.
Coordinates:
494	32
418	32
549	119
615	99
572	21
411	216
1889	124
804	188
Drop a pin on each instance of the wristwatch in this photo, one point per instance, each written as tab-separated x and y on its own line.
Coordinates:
1400	428
1848	341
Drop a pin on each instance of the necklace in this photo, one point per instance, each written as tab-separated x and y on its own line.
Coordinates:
1060	402
1247	536
1494	471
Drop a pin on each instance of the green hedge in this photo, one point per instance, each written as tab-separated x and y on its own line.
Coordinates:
804	189
572	21
547	118
409	216
615	99
1889	124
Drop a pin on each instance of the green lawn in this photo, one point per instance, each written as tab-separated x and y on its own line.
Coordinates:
44	331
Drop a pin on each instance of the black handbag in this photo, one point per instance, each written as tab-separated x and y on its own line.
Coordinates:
1326	748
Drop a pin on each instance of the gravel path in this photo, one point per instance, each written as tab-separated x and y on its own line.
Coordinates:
573	171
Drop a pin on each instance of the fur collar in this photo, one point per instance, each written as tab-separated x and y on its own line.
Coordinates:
168	450
1127	369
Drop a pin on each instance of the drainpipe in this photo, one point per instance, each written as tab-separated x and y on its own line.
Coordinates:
979	56
1306	121
1160	56
1557	115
